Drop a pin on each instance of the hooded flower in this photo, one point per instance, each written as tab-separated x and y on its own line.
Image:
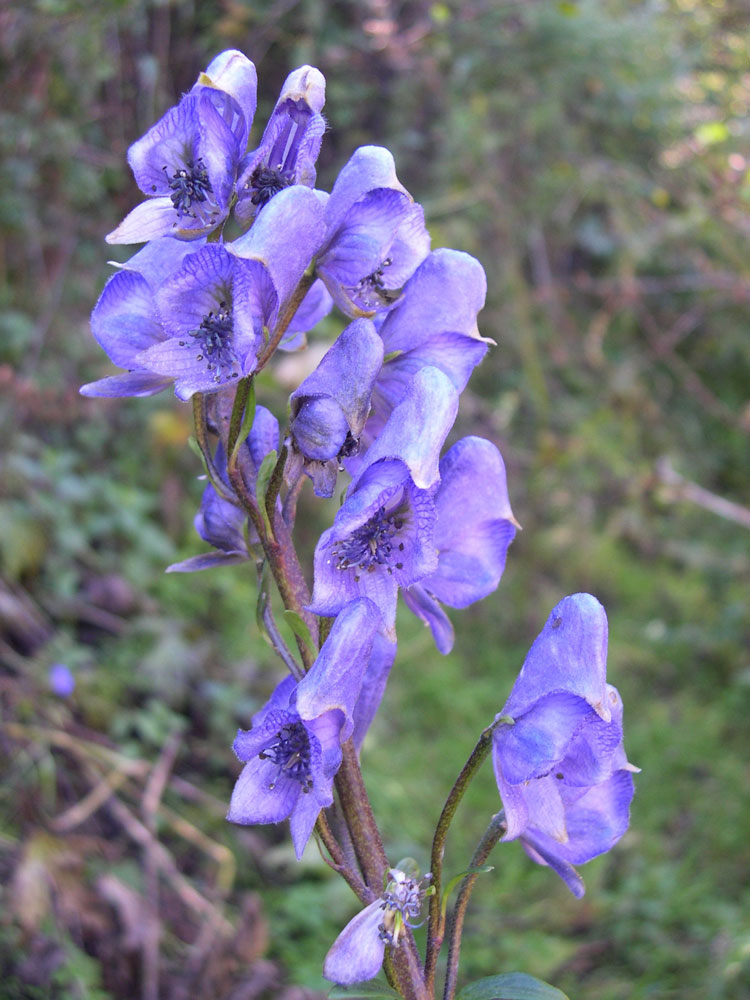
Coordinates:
187	162
375	235
473	530
561	769
293	750
382	536
357	953
329	409
290	144
221	520
434	322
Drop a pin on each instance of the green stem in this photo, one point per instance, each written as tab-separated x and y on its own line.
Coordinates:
275	482
286	318
236	419
436	926
490	837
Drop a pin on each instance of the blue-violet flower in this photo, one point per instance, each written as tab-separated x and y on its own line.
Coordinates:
187	162
561	769
293	750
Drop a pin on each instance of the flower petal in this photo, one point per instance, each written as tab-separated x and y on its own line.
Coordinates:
570	654
357	953
417	428
335	680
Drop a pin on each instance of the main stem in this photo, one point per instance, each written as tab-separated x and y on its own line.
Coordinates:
402	966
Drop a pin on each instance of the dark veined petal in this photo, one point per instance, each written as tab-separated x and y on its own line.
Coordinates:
125	320
541	737
368	168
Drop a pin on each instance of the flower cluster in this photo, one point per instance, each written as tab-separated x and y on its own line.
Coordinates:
243	255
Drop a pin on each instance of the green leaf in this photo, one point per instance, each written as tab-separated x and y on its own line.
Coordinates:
510	986
370	991
299	626
261	486
248	417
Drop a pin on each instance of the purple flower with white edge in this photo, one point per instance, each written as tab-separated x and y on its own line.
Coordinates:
187	162
329	409
293	750
358	952
382	536
290	144
221	520
375	238
474	528
561	769
126	319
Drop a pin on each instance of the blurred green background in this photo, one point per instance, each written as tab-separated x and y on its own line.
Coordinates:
596	157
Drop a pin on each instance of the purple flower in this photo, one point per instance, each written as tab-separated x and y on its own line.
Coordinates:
290	144
198	316
375	237
126	319
61	680
221	520
187	162
561	769
382	536
473	530
357	953
213	310
293	750
330	407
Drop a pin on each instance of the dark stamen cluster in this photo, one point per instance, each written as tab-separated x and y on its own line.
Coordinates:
372	291
189	184
214	343
265	182
290	751
349	448
372	545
